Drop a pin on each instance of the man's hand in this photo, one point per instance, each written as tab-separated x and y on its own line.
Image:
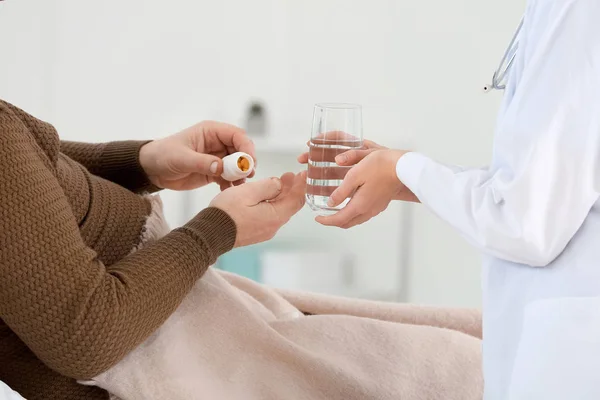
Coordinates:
193	157
261	208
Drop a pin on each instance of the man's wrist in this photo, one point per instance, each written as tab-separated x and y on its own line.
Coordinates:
147	157
147	161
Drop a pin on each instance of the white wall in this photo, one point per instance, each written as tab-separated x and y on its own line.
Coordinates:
139	69
26	53
458	44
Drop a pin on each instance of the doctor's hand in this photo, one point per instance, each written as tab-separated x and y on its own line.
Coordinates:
192	158
347	158
372	184
260	208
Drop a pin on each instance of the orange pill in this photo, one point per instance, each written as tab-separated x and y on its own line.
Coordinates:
243	164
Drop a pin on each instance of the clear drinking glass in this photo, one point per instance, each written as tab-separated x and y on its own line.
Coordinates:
336	128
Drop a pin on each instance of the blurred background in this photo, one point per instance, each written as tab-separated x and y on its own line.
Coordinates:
111	70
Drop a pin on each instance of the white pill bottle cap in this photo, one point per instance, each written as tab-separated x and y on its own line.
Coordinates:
237	166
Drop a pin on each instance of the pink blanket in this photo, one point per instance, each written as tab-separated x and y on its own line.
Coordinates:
235	339
232	338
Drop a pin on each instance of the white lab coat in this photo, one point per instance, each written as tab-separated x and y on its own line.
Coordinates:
535	211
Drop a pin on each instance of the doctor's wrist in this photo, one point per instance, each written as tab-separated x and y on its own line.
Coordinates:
392	159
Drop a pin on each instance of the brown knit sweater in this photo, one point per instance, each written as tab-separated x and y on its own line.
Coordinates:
73	302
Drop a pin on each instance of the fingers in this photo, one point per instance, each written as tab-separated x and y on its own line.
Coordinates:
265	189
369	144
303	158
352	157
333	155
342	217
324	154
292	200
350	216
340	156
345	190
340	138
336	155
344	221
193	181
358	220
229	136
205	164
287	181
316	190
224	185
327	173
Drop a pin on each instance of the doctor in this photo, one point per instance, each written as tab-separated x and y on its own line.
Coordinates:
534	211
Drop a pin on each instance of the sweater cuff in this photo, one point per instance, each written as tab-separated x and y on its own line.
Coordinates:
213	228
121	163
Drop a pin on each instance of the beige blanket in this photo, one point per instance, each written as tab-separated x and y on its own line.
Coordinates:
235	339
232	339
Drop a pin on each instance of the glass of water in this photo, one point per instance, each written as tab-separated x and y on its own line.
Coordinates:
336	128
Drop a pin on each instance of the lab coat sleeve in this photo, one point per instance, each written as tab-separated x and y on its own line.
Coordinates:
544	179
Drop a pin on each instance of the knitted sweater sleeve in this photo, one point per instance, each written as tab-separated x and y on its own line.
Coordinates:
77	315
117	162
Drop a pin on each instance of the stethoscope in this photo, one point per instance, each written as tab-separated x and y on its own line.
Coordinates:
499	78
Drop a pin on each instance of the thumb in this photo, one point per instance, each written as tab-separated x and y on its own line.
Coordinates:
199	163
345	190
263	190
